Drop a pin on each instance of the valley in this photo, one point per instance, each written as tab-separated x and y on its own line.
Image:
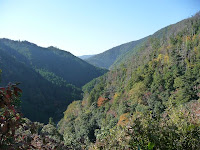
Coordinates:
144	94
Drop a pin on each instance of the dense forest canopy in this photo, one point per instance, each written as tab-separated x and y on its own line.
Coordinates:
150	100
50	78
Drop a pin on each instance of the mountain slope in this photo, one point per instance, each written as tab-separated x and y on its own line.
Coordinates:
107	58
44	74
164	34
149	101
40	99
61	63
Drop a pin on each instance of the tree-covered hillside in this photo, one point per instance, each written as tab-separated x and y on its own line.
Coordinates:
107	58
18	133
151	100
45	75
52	60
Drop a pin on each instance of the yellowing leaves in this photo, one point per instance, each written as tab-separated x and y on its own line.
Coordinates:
73	110
166	58
188	38
123	119
162	58
116	95
159	58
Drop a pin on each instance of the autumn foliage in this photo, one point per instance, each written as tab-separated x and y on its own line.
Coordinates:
10	118
17	133
123	119
101	101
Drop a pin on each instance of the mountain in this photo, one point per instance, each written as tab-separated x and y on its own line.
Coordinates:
50	78
149	100
53	60
85	56
107	58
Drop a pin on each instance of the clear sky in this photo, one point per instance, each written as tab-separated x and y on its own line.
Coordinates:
89	26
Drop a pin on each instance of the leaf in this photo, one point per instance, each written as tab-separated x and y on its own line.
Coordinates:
16	90
9	93
6	113
150	146
17	83
138	147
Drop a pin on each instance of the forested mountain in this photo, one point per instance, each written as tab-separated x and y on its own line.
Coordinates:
46	76
107	58
85	56
52	60
150	100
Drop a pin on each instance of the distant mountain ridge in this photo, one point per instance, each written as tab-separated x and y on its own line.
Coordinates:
85	56
107	58
59	62
49	77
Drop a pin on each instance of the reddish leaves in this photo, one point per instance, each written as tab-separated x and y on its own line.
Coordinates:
17	91
101	101
9	93
10	119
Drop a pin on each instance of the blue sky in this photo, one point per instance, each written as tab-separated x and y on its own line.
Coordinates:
89	26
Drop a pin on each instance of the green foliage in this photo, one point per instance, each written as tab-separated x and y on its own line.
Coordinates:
47	75
52	132
141	104
40	99
146	132
152	103
51	121
50	76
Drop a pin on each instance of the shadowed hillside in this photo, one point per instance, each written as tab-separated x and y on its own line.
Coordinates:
46	75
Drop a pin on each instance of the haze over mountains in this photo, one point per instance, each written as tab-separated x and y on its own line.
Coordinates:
107	58
85	56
